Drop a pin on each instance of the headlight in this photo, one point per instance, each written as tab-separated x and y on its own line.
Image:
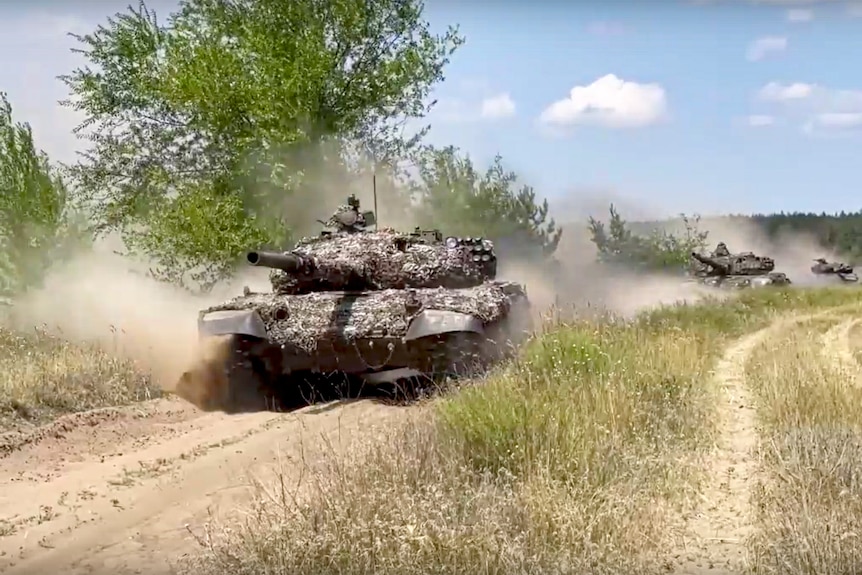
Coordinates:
451	243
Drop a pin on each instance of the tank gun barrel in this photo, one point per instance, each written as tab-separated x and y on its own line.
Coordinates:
288	263
709	261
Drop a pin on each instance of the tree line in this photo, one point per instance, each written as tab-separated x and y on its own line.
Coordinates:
218	128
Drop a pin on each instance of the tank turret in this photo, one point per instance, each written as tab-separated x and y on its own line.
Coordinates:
723	268
745	263
353	258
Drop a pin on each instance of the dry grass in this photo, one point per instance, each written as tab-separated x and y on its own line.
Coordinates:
575	459
810	501
44	376
856	341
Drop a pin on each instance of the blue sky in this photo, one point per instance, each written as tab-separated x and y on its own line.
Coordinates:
733	106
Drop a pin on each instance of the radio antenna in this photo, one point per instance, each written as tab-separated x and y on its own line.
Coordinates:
374	188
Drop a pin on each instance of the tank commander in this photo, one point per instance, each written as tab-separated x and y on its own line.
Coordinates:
721	250
348	217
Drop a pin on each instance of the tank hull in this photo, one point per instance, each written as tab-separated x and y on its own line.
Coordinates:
837	277
276	347
745	281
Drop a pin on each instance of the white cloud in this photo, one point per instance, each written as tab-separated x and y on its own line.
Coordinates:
762	47
775	92
812	97
833	124
472	100
499	106
839	120
815	107
760	120
800	15
610	102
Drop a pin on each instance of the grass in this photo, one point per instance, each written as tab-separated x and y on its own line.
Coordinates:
810	499
44	377
856	341
577	458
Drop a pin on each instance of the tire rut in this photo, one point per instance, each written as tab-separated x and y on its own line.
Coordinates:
715	535
714	539
131	522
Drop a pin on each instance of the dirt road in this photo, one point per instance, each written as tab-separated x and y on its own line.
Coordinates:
714	536
113	491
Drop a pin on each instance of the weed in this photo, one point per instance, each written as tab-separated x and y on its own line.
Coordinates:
45	376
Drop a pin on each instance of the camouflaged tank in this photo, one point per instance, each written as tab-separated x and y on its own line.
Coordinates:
843	272
724	269
368	306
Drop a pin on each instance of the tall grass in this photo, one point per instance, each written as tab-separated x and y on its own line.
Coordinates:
43	376
573	459
810	499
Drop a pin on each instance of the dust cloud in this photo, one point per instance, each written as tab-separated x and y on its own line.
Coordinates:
582	286
327	180
103	298
108	299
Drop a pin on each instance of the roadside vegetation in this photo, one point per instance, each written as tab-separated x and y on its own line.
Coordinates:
576	459
45	376
810	408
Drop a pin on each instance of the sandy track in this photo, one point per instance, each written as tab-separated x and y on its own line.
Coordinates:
115	494
714	538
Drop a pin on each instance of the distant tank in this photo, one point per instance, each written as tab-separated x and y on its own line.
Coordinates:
840	270
368	307
741	270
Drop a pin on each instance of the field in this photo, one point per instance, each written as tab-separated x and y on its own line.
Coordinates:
721	437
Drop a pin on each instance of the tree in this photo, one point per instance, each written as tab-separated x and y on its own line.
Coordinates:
203	129
661	249
35	226
454	196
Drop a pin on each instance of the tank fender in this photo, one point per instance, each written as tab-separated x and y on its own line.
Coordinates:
436	322
231	322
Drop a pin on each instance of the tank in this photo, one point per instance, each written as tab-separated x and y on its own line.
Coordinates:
725	269
839	270
360	307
